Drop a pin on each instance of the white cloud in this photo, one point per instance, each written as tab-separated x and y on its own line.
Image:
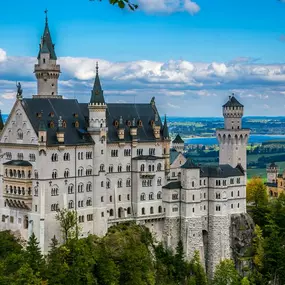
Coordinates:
9	95
173	106
3	55
169	6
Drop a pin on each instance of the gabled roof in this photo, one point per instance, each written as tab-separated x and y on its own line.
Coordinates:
273	165
233	102
18	163
178	139
189	164
97	96
46	45
45	112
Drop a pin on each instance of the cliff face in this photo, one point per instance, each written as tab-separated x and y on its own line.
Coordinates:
241	235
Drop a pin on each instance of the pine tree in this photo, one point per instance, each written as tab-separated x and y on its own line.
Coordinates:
33	256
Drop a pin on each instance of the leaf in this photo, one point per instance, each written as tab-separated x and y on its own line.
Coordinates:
121	4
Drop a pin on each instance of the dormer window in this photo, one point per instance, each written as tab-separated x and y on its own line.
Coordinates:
64	124
75	115
76	124
129	123
44	60
140	123
152	123
51	114
116	123
39	115
51	124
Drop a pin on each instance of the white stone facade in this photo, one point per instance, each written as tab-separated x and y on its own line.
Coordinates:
108	182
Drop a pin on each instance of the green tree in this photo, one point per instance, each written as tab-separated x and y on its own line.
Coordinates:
197	270
33	256
226	274
256	192
9	244
245	281
122	4
68	223
258	248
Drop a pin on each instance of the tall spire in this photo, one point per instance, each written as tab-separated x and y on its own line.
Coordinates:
1	122
165	132
46	45
97	92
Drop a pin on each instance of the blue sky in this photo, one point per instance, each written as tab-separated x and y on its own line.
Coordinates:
226	46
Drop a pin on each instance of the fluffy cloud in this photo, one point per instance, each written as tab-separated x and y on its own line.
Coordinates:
3	55
185	84
169	6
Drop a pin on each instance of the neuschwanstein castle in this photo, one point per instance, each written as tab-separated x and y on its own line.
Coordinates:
114	163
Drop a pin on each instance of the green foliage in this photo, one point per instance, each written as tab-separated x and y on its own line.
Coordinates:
122	4
9	244
226	274
245	281
256	192
68	223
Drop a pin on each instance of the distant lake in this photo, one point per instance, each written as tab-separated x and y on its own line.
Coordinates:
252	139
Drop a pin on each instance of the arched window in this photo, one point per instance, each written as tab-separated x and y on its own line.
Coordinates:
128	168
149	168
80	171
36	174
111	212
54	190
19	134
54	174
108	184
80	188
102	183
102	167
159	167
70	204
142	167
66	173
159	209
143	197
143	211
119	168
159	181
159	195
111	198
128	183
193	183
151	210
129	210
120	183
110	168
70	189
218	195
89	202
88	187
36	193
151	196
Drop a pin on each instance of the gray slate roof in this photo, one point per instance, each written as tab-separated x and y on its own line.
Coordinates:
178	139
67	108
147	157
233	102
173	155
173	185
18	163
189	164
97	91
221	171
46	45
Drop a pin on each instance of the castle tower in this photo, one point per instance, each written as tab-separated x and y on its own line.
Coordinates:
98	130
272	173
166	146
233	138
46	70
178	144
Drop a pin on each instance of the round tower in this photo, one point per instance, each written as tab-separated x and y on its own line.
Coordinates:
272	173
233	138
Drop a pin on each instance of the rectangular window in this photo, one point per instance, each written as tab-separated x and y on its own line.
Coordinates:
238	180
224	182
140	151
114	152
102	214
174	196
3	218
175	209
232	181
152	151
36	208
11	219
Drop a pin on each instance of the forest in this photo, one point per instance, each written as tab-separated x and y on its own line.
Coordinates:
129	254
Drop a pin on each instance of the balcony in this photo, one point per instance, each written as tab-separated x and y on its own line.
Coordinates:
147	175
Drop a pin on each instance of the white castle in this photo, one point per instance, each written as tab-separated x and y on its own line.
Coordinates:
113	163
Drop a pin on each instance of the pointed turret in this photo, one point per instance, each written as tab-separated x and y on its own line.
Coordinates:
1	122
47	71
46	45
97	96
165	131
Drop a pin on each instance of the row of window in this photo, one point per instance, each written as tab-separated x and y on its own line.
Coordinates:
17	173
151	168
128	152
151	196
66	174
151	210
111	168
18	190
224	182
89	218
80	203
66	156
11	219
